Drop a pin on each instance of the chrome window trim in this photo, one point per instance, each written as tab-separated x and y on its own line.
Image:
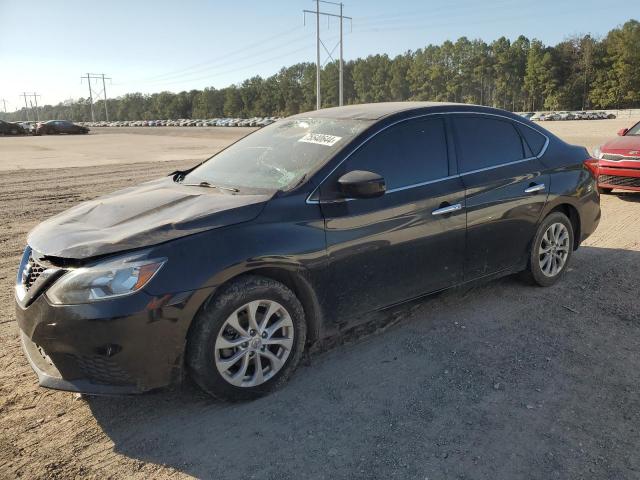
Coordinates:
398	189
421	184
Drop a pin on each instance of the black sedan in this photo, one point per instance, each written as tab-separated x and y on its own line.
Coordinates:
7	128
229	270
53	127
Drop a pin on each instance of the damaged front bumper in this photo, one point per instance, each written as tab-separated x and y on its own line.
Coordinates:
119	346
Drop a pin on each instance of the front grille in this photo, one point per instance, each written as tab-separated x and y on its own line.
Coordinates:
102	370
31	272
617	158
619	181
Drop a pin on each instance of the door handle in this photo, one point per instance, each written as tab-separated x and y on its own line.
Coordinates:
449	209
535	188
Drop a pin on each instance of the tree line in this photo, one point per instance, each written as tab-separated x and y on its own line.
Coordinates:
578	73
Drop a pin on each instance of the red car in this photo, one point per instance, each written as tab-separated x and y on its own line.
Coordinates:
619	161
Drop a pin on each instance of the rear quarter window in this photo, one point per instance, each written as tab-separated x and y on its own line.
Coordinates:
535	140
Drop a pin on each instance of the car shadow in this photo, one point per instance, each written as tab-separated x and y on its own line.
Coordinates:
473	380
628	196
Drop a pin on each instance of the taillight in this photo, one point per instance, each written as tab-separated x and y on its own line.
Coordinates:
592	166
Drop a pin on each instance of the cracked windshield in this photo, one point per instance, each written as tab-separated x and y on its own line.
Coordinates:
277	157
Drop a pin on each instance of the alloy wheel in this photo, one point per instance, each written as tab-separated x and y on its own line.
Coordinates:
254	343
554	249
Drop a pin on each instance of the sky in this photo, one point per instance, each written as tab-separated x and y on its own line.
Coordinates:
152	46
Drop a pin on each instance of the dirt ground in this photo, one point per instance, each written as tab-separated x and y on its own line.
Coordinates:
498	381
122	145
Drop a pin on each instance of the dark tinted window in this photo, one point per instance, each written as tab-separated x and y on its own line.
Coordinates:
534	140
410	152
486	142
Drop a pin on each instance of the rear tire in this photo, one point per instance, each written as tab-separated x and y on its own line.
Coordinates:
551	250
247	340
604	191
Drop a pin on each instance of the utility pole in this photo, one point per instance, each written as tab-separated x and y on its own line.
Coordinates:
104	90
93	116
340	82
4	102
35	99
318	100
97	76
26	107
319	42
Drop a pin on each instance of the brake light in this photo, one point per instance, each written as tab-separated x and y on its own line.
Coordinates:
592	165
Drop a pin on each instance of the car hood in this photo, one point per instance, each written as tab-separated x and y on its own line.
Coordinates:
622	145
141	216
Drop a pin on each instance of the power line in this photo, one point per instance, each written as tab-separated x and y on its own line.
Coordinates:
215	63
255	54
319	42
97	76
407	24
243	67
431	12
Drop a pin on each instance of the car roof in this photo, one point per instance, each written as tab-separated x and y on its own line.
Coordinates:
371	111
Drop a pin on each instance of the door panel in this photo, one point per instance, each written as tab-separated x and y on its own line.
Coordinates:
506	191
392	248
501	217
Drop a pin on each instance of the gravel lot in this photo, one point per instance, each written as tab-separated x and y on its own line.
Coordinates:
498	381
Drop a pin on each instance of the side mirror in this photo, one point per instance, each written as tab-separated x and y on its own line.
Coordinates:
623	131
361	184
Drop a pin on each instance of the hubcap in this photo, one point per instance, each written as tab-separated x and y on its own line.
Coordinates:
254	343
554	249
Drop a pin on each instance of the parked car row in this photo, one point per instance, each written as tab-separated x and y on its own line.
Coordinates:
54	127
11	128
554	116
50	127
185	122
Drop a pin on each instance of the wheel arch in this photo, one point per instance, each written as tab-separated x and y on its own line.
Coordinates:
301	286
293	278
574	217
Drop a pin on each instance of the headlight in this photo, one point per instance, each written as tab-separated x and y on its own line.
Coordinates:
597	153
114	278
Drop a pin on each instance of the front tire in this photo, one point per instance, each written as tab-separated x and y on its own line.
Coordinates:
247	340
551	250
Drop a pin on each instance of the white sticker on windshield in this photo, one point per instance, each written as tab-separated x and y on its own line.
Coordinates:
320	139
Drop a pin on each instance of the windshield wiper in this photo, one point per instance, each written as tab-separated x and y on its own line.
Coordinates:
210	185
178	175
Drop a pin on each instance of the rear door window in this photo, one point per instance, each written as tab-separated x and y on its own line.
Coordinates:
484	141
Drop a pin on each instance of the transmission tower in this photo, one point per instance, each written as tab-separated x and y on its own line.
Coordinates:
319	43
103	92
34	95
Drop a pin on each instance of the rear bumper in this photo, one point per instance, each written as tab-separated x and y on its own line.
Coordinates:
125	345
590	214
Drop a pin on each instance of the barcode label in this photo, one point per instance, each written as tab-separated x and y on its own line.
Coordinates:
320	139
